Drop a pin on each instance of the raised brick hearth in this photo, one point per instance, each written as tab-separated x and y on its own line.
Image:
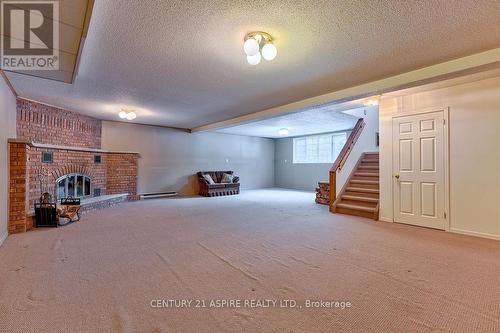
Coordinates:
73	142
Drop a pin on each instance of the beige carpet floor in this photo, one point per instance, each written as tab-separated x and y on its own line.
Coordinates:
102	273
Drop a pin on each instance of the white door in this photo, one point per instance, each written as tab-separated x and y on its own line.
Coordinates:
419	170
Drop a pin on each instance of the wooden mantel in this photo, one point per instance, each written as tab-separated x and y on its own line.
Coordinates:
71	148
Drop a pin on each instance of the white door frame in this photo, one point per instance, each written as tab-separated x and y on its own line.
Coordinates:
446	134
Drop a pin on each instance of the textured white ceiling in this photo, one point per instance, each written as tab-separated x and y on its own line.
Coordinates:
180	63
316	120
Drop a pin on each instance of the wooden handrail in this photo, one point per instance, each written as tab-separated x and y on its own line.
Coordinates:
342	158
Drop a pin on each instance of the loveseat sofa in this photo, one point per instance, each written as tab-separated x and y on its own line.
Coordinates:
220	184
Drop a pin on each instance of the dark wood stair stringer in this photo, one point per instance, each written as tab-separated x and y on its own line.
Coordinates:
360	194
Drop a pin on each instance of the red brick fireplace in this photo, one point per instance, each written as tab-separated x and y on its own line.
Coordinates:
53	143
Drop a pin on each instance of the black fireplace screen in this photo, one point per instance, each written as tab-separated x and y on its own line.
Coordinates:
74	185
45	215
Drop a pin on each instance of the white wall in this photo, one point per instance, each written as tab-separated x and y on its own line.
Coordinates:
300	176
305	176
7	130
474	139
170	158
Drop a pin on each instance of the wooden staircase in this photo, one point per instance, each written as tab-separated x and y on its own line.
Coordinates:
360	195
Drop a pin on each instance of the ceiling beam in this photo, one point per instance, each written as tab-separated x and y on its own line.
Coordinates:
467	65
83	37
9	84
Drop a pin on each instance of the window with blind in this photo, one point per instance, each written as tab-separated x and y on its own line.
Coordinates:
322	148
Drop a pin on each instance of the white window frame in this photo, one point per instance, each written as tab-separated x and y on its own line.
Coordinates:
311	160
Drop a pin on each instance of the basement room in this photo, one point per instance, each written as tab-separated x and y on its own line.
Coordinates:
249	166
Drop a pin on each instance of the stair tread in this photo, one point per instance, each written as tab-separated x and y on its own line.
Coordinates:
364	181
360	189
358	198
356	207
366	174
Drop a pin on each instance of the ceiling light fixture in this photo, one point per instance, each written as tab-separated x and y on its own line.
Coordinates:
283	131
126	114
372	101
257	45
131	116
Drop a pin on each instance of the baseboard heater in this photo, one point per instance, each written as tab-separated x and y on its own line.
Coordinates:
158	195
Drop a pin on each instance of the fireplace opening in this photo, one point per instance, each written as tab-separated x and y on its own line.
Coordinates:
74	185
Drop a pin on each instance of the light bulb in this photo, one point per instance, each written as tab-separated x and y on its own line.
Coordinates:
372	102
254	60
283	131
269	51
122	114
251	47
131	116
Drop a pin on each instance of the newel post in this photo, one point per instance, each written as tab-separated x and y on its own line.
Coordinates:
333	187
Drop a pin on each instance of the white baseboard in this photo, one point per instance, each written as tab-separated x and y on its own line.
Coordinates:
475	233
455	230
3	238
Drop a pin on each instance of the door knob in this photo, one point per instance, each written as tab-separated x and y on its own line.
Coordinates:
397	176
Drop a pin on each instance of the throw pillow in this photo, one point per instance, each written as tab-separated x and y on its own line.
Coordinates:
209	179
227	178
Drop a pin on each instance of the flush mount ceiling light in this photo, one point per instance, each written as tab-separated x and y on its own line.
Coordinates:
373	101
258	45
127	114
283	131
